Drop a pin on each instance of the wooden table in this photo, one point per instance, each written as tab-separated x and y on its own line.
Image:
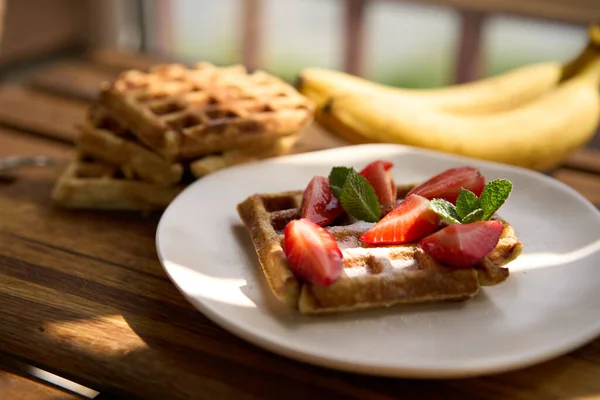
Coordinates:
83	295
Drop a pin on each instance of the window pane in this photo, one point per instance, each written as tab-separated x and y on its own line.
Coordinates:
206	30
410	45
299	33
514	42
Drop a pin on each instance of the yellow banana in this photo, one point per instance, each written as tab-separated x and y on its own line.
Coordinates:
498	93
537	135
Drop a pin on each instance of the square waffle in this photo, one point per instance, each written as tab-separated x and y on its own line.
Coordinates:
92	184
371	277
104	138
184	113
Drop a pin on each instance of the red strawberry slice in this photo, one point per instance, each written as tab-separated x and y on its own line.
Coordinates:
411	220
378	175
312	253
463	245
318	202
447	184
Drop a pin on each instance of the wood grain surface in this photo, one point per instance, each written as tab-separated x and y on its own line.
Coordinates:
83	295
17	387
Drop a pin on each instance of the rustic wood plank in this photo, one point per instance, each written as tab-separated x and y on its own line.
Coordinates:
75	79
586	159
41	113
585	183
17	387
14	142
572	11
117	60
55	25
31	193
66	321
63	310
317	138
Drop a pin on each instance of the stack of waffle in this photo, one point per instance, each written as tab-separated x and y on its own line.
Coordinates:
151	133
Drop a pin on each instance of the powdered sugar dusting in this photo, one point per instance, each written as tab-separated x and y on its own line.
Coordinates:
356	226
356	271
348	242
382	261
399	264
379	252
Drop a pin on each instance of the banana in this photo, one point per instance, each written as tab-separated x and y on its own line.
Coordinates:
498	93
537	135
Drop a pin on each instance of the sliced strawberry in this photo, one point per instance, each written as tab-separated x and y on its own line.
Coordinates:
447	184
463	245
411	220
312	253
318	203
378	175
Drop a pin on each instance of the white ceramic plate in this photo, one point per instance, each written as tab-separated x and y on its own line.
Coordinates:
549	305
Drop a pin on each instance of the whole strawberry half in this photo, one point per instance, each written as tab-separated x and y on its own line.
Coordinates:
378	175
463	245
447	185
312	253
410	221
318	202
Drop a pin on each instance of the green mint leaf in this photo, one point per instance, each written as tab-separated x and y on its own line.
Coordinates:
337	178
466	203
493	196
473	216
359	199
444	209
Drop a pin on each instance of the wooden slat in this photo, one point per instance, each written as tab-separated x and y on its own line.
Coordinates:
75	79
586	159
469	57
585	183
18	143
316	138
34	27
118	60
105	316
354	35
573	11
40	113
39	384
119	327
17	387
251	33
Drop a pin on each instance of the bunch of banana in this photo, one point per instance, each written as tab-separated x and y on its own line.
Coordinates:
532	117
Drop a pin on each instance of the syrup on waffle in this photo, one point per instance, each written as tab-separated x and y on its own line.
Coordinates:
184	113
90	184
372	277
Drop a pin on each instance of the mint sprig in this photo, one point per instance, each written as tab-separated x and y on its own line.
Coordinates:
445	209
359	199
466	203
357	196
337	179
469	208
494	195
475	215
